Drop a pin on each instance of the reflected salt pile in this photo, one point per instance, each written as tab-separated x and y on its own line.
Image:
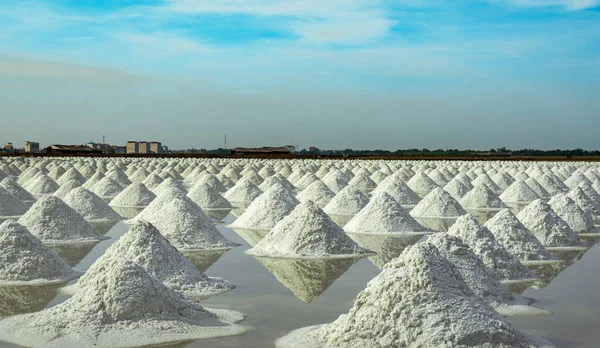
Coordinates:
26	299
307	278
128	212
252	237
103	226
73	253
202	260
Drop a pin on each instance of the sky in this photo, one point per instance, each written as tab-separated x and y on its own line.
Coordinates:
336	74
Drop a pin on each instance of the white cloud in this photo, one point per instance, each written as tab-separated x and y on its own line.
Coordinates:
164	44
571	5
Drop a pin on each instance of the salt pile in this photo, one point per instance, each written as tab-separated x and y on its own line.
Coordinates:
348	201
439	178
317	192
54	222
479	278
65	189
399	191
516	238
519	192
383	215
145	246
124	306
71	174
306	180
186	226
336	181
537	187
586	203
168	184
139	175
155	207
576	179
107	187
213	182
503	180
438	203
486	180
307	232
10	185
244	191
24	260
41	184
152	181
481	197
363	182
120	177
207	197
569	211
90	206
492	253
134	195
419	300
268	209
11	206
457	189
421	184
93	180
547	226
553	187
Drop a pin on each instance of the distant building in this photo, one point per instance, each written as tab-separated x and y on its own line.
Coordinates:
118	150
133	147
8	147
144	147
32	147
164	149
313	149
155	147
71	150
292	148
283	150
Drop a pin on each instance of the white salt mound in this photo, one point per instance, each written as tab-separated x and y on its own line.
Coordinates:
11	206
585	202
42	184
438	203
122	306
66	188
399	191
152	181
90	206
10	185
569	211
516	238
484	245
168	184
348	201
268	209
144	245
159	202
107	187
316	192
134	195
419	300
547	226
479	278
186	226
383	215
54	222
457	189
422	184
481	197
307	233
519	192
24	260
208	197
244	191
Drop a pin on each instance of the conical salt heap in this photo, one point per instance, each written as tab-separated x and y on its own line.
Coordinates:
307	232
383	215
244	191
139	175
457	189
66	188
93	180
547	226
120	177
11	185
336	181
155	207
213	182
306	180
585	202
485	179
11	206
481	197
493	254
537	187
363	182
552	186
438	203
398	190
503	180
41	184
134	195
575	179
519	192
187	227
421	184
207	197
71	174
439	178
168	184
152	181
418	300
482	280
516	238
146	246
120	305
316	192
268	209
569	211
107	187
349	201
90	206
24	260
54	222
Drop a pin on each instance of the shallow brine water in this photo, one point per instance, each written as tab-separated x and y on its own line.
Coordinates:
282	295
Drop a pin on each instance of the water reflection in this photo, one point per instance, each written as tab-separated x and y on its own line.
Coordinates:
341	220
483	215
217	214
387	247
128	212
436	224
202	260
307	278
26	299
251	236
103	226
548	272
73	253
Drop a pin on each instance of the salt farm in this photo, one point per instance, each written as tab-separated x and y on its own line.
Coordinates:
188	252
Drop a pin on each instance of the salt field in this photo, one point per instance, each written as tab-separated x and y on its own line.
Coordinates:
188	252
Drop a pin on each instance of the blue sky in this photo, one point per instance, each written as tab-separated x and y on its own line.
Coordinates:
334	74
